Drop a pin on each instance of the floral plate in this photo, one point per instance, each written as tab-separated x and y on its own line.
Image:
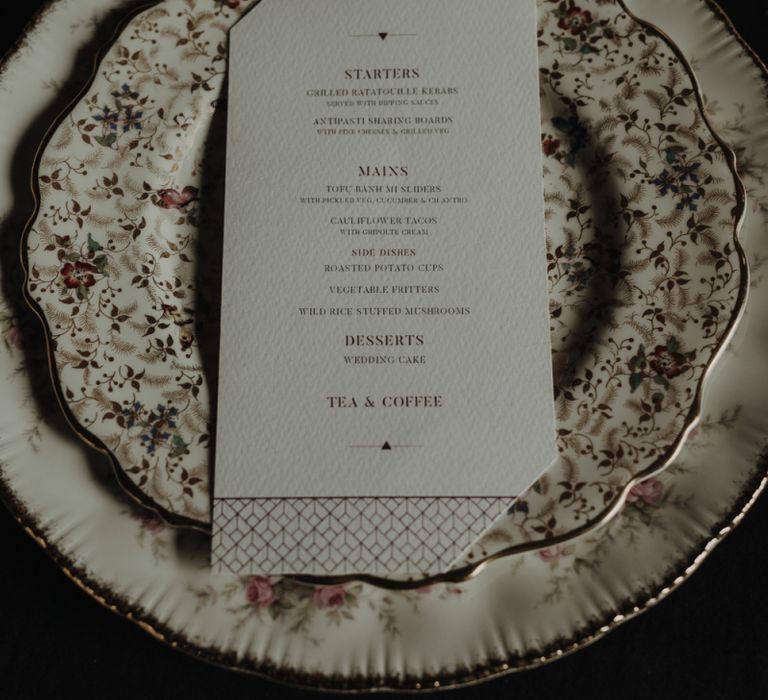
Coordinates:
517	613
646	275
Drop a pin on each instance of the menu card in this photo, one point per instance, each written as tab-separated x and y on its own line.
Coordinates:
385	373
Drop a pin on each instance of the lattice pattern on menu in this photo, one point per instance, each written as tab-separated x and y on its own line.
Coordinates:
335	536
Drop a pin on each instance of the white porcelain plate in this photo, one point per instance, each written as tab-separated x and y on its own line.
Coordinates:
646	274
516	613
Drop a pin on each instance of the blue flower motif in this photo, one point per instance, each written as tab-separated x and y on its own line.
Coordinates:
132	414
666	183
689	201
125	91
689	172
577	135
519	506
580	275
148	443
132	120
107	116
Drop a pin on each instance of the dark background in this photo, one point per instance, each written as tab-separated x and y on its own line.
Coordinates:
707	640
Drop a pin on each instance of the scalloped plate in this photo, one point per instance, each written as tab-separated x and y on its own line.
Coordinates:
516	614
646	275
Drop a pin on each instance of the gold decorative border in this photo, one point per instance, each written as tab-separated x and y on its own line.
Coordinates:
593	631
470	570
731	27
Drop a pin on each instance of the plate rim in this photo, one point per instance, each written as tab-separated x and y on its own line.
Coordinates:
121	606
474	567
85	436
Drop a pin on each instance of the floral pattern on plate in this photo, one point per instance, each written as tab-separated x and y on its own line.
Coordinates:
516	614
646	276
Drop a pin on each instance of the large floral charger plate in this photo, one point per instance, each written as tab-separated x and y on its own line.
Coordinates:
647	277
515	614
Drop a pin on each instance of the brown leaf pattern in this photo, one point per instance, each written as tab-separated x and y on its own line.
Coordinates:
643	271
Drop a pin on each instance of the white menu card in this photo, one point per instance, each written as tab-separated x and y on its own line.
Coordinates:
385	334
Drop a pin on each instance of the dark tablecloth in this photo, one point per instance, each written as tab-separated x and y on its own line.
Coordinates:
707	640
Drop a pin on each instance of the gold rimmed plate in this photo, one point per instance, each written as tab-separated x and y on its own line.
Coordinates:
543	604
646	273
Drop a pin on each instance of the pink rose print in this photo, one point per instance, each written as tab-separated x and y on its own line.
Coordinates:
173	199
550	146
552	555
259	591
13	337
576	20
667	363
329	596
79	273
649	492
151	522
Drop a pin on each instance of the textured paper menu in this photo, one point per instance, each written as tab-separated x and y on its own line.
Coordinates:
384	309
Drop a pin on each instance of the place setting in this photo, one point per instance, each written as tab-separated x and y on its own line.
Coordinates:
309	371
